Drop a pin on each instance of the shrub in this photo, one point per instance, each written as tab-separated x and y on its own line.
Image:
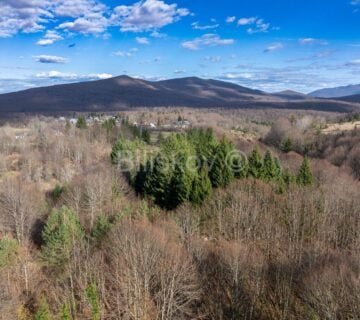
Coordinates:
81	123
286	145
57	192
92	296
101	227
43	312
8	251
65	313
146	136
109	125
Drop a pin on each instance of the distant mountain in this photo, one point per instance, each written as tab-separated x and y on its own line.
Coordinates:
124	92
290	94
355	98
336	92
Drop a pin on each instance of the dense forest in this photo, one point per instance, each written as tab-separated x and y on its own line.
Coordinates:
109	221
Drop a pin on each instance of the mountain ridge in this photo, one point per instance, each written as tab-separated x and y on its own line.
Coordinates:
336	92
124	92
353	98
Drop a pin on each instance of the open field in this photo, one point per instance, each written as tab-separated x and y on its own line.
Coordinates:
339	127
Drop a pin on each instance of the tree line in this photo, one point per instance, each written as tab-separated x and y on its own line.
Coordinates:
189	166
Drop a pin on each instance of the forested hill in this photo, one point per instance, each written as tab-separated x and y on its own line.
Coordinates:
124	92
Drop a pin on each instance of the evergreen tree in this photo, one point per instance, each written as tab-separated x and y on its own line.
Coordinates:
81	123
240	167
8	251
146	136
204	141
288	177
140	178
280	185
181	184
201	188
124	150
57	192
158	180
255	163
278	169
61	234
269	169
101	227
221	172
65	313
305	176
286	145
118	149
92	297
43	312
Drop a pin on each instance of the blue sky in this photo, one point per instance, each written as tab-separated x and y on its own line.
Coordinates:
273	45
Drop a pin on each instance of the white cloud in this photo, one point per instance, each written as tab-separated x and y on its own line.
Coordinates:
50	38
77	8
85	16
50	59
27	16
100	76
142	40
323	54
355	2
273	79
177	71
94	23
147	15
257	25
128	54
57	75
197	26
305	41
238	76
33	15
274	47
353	63
230	19
246	21
260	26
213	59
90	16
207	40
156	34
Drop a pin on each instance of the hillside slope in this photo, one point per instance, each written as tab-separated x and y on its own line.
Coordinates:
353	99
124	92
336	92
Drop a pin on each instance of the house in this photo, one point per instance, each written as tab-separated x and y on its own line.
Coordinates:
182	124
